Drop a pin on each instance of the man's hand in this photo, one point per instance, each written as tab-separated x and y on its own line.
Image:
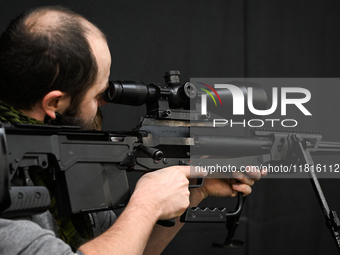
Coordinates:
241	182
172	201
159	195
165	190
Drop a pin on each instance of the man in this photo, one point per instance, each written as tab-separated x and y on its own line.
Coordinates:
54	66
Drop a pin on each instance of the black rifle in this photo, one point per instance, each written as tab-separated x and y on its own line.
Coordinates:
89	167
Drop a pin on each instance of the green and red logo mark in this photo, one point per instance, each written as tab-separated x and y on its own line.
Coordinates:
209	93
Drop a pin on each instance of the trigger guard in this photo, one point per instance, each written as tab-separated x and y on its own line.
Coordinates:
200	182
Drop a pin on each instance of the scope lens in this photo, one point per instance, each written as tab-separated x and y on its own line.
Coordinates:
113	92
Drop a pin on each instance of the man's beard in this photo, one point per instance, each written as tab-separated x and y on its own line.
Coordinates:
70	118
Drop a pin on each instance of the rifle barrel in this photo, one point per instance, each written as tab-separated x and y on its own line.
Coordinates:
231	146
328	148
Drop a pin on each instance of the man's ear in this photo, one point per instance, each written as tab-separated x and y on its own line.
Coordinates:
55	101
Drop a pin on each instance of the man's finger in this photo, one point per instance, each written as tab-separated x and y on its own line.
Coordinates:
196	172
253	172
244	188
243	178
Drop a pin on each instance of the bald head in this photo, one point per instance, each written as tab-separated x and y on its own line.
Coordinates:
48	20
47	49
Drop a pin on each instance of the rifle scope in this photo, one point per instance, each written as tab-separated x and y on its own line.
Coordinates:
137	93
178	95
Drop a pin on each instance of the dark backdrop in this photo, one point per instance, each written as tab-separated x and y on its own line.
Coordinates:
228	38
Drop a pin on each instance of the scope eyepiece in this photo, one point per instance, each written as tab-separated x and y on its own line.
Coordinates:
130	93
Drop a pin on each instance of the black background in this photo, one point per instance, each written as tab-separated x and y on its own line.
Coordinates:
229	38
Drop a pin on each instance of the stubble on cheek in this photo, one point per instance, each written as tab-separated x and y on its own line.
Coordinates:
94	123
98	120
